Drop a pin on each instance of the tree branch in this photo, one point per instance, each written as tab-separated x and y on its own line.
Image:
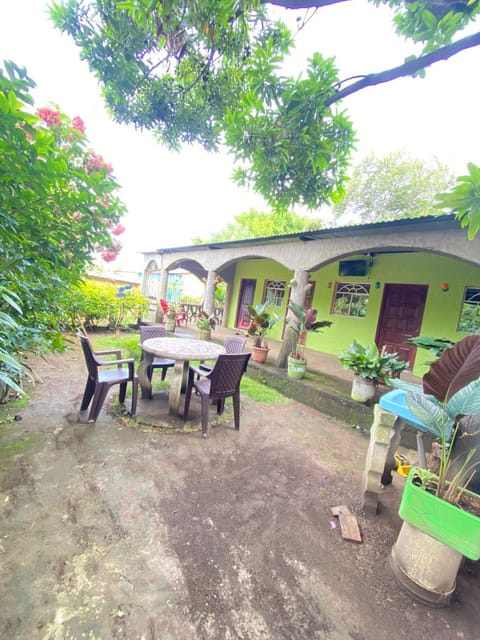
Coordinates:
408	68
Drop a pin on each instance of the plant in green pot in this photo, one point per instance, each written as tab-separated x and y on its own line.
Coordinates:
261	321
204	325
301	322
370	367
440	514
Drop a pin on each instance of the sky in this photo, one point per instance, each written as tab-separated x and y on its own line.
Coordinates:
174	197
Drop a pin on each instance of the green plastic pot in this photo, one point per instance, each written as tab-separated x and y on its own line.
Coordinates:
447	523
296	368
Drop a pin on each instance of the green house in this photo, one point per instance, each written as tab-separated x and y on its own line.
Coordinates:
382	282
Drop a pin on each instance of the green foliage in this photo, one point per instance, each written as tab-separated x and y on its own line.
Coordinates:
395	186
301	322
261	321
256	224
261	392
58	206
368	362
450	391
434	346
464	200
210	72
96	304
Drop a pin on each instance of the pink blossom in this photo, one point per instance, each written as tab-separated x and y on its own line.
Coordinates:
109	256
118	230
78	124
51	117
78	215
95	162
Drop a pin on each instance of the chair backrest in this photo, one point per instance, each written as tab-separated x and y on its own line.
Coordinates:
227	373
234	344
147	332
90	359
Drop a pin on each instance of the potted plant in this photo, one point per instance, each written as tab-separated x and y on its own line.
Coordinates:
370	367
261	321
300	323
440	523
204	325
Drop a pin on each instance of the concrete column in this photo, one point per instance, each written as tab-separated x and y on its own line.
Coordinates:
163	285
227	303
384	434
298	286
209	300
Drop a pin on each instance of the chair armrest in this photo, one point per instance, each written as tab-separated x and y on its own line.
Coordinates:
199	371
115	352
120	361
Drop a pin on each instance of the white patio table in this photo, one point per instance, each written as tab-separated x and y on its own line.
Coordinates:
182	350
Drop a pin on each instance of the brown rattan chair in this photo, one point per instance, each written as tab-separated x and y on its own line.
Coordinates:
164	364
232	344
220	383
103	374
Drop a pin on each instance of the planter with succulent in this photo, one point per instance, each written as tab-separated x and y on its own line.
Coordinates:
204	325
441	516
301	322
261	321
370	367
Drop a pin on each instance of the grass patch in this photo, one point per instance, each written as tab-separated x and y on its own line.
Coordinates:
126	342
260	392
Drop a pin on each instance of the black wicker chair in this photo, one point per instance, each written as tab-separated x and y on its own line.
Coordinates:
223	381
232	344
147	332
104	374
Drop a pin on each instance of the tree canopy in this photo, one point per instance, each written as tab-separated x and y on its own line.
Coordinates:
211	72
392	187
257	224
59	207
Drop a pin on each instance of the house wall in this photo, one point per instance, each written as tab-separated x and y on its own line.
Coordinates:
442	308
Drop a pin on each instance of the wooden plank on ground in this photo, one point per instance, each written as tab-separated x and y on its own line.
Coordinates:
348	523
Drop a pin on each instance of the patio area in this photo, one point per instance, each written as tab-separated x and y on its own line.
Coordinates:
124	531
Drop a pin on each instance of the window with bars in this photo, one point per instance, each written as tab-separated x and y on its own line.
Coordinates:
274	292
350	299
470	313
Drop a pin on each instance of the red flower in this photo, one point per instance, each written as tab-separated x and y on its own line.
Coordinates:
118	230
49	116
78	124
164	305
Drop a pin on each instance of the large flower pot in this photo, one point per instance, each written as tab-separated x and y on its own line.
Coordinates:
433	539
426	568
259	354
205	334
445	522
296	368
170	325
363	389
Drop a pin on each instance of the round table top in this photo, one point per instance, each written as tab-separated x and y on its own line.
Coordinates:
183	348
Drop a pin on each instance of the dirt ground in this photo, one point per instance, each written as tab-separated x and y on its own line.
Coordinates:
110	531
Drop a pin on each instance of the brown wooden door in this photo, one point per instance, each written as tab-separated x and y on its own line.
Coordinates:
401	317
247	292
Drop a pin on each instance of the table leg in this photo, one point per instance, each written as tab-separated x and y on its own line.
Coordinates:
145	383
180	372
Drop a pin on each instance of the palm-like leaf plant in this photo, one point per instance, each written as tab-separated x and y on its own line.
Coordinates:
450	391
303	322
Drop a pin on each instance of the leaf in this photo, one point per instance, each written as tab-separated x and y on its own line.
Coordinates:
465	402
429	412
456	367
